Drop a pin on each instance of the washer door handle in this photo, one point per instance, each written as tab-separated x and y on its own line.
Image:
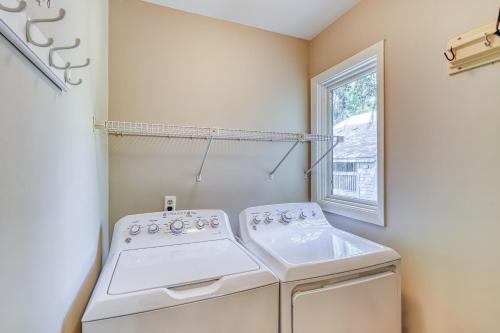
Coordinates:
195	290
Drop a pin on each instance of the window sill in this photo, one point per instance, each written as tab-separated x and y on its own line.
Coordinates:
360	212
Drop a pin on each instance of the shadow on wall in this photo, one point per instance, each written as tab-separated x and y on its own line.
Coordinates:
73	320
416	313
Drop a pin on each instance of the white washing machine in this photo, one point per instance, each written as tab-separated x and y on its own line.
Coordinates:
181	272
331	281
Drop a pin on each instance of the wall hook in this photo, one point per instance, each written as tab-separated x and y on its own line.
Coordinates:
487	41
50	41
453	55
20	7
67	76
55	49
87	62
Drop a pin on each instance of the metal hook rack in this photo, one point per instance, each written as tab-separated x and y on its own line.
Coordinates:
208	133
24	33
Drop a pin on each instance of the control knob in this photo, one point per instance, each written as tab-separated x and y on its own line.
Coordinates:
286	217
200	224
269	219
177	226
257	219
304	215
153	228
135	230
214	223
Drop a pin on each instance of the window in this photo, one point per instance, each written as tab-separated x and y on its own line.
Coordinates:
348	101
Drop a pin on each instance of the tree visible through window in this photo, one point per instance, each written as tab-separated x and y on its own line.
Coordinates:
356	97
353	110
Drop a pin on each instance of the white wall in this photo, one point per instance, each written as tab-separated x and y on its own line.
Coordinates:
53	180
442	158
173	67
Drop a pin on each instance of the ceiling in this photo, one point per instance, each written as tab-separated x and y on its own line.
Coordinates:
298	18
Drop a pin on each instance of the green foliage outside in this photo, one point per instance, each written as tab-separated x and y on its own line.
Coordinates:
354	98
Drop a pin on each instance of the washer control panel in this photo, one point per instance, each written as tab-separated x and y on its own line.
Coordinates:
176	227
292	214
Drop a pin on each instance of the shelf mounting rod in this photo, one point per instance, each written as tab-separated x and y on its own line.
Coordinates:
198	178
337	142
271	174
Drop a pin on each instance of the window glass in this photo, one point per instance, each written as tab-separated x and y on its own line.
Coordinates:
353	111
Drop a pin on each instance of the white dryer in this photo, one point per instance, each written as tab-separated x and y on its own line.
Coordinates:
181	272
331	281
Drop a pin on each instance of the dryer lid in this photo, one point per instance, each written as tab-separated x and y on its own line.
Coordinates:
177	265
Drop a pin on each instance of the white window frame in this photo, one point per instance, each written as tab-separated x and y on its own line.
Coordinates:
372	57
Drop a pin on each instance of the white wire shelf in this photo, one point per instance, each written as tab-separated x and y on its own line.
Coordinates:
210	134
192	132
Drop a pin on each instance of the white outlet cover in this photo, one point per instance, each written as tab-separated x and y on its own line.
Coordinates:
169	203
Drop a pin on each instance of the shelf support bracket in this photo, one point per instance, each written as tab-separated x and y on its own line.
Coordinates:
98	124
337	142
198	178
271	174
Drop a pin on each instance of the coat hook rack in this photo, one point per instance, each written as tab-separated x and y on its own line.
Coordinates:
20	7
67	76
474	48
56	49
30	22
26	36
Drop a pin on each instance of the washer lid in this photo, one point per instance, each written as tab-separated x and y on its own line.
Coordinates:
298	252
303	247
177	265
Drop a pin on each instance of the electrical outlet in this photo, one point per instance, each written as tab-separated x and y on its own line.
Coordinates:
169	203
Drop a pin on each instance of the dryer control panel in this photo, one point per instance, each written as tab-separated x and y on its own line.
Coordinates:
176	227
271	217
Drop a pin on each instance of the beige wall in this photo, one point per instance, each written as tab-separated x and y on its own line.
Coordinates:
442	158
173	67
53	183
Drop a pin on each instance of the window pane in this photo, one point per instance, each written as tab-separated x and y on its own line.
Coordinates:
353	107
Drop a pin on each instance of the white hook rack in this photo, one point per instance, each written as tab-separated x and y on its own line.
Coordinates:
13	28
23	33
210	134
